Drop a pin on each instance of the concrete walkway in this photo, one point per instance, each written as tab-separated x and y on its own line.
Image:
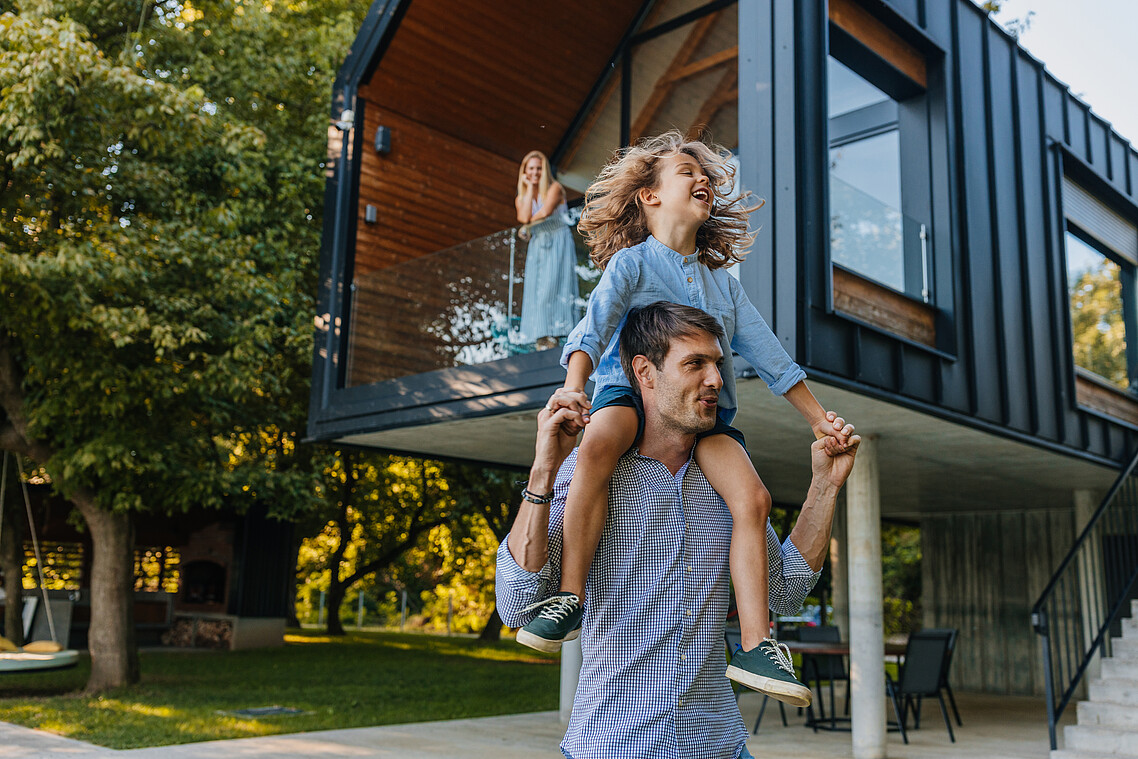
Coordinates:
995	727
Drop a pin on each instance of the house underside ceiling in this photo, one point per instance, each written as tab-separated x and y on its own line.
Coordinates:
927	464
507	77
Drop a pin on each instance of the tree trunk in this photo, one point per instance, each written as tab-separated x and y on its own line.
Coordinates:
493	629
292	620
335	598
110	639
12	557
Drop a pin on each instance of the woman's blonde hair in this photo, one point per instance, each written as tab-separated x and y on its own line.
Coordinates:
613	218
546	175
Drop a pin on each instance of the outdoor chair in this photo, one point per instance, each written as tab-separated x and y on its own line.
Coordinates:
733	638
829	668
951	632
920	677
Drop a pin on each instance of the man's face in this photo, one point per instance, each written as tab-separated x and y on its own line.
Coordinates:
686	391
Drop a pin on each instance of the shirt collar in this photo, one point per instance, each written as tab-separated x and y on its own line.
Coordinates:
679	476
659	247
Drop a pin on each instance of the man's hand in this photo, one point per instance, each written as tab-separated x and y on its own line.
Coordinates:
833	463
553	445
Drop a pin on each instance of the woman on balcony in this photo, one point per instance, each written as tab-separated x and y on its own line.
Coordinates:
549	292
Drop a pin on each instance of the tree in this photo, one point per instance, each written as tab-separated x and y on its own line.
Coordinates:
380	506
160	192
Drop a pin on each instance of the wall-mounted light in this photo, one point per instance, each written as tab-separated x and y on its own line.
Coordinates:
347	120
371	215
383	140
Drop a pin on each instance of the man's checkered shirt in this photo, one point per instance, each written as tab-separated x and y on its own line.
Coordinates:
652	677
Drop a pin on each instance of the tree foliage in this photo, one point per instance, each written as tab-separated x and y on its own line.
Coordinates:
160	195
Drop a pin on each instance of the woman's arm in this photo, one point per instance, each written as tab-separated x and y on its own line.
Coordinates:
523	205
553	198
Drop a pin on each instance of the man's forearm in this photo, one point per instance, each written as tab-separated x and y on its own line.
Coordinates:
811	533
528	540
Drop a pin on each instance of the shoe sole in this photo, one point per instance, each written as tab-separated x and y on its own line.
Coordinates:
545	644
788	693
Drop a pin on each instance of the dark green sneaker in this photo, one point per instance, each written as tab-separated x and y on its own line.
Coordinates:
768	669
558	621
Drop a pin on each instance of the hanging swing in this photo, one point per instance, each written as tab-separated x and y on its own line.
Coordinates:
39	654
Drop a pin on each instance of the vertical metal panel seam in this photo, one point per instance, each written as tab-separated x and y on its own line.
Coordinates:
1024	257
966	316
993	227
1050	210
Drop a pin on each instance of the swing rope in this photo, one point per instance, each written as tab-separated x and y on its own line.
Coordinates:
36	548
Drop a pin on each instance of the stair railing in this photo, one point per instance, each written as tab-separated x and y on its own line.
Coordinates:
1087	593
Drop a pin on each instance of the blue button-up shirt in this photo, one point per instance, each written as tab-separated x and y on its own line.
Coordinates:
652	271
652	679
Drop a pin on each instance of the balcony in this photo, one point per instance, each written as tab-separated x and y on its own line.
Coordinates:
461	306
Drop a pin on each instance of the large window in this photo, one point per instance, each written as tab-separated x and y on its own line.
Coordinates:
1101	247
1098	328
878	137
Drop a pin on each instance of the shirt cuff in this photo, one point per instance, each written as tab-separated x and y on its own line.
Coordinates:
789	379
794	565
580	343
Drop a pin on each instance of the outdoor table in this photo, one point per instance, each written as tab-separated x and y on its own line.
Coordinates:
833	648
837	648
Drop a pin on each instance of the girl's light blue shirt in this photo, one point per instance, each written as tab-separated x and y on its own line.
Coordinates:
650	272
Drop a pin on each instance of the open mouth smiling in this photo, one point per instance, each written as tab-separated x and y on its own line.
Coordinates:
702	194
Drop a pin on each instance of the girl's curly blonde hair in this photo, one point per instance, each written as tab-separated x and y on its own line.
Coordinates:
613	218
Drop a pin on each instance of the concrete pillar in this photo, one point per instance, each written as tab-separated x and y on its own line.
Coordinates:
839	573
570	674
867	638
1092	586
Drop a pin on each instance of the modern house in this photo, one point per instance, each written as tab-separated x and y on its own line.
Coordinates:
948	246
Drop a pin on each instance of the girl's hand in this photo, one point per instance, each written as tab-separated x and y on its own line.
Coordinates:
575	400
834	426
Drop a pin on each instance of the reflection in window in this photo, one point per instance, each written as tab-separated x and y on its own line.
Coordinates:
848	91
865	195
684	78
866	225
1098	331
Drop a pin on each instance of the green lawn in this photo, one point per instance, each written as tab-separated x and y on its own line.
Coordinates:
361	679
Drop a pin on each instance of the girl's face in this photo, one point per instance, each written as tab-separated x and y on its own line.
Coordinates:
533	170
683	189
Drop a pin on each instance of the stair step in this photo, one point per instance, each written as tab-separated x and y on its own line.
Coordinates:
1120	669
1066	753
1114	691
1124	645
1106	740
1097	714
1130	627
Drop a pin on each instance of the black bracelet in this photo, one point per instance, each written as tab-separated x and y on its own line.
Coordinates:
534	497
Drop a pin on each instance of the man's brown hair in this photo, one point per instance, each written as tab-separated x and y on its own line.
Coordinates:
649	331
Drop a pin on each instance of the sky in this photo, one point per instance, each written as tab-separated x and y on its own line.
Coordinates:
1092	47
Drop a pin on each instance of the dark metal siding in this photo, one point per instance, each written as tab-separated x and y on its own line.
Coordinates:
1004	127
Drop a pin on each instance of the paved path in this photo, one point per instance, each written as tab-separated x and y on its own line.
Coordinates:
995	727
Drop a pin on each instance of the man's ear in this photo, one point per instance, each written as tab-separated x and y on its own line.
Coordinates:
647	197
644	371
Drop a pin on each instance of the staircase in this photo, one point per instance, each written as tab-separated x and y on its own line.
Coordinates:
1108	722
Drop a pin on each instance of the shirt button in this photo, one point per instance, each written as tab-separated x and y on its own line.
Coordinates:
689	567
683	657
681	702
689	279
688	612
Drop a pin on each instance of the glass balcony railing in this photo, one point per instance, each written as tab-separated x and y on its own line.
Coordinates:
462	306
